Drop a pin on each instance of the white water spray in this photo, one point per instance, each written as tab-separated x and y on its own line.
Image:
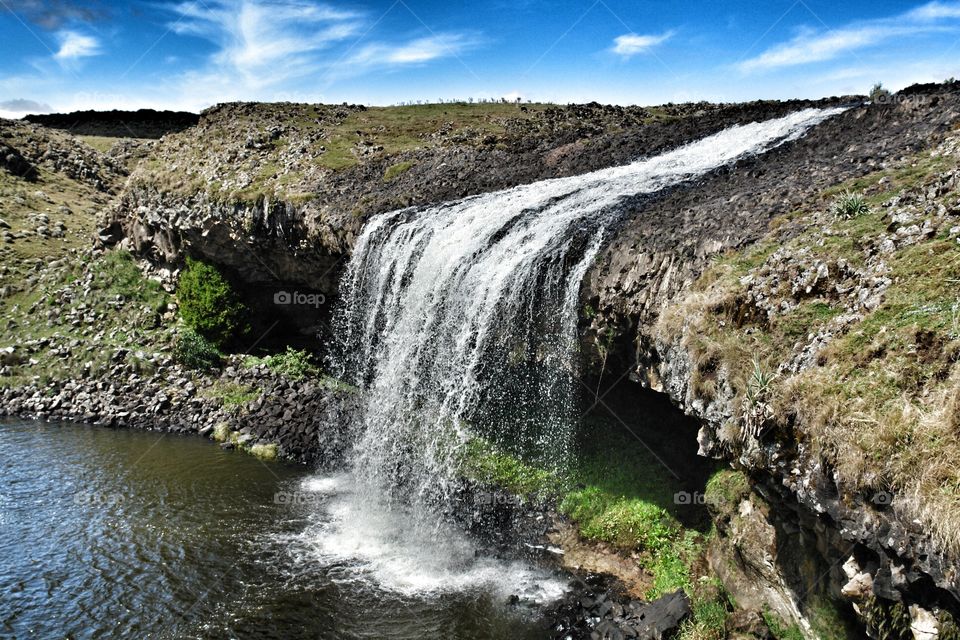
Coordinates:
466	313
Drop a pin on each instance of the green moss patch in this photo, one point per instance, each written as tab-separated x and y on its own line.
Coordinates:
396	170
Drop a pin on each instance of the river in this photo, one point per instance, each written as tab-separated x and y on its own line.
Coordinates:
127	534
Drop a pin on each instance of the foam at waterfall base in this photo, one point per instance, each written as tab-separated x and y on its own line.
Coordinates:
388	548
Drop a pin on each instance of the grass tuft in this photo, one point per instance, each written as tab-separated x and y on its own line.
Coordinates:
850	205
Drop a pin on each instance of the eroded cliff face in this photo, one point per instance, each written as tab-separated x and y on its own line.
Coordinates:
738	295
277	194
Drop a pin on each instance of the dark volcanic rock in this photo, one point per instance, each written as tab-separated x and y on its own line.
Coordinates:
12	161
143	123
310	420
591	610
666	240
812	537
273	241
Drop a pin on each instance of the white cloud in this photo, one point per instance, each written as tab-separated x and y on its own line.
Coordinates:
265	42
268	46
936	11
631	44
75	45
818	46
416	51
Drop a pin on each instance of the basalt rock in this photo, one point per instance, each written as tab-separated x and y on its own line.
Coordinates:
800	536
300	235
310	420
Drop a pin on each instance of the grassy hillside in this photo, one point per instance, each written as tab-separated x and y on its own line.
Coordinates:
246	151
840	332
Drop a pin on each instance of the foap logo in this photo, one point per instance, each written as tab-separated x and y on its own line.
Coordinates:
297	298
882	498
687	498
495	499
97	499
295	498
890	98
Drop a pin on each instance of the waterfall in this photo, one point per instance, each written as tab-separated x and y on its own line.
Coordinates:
460	319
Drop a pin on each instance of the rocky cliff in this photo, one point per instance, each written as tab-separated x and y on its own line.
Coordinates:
812	331
278	193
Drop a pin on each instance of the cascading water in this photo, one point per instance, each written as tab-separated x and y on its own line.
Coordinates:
466	313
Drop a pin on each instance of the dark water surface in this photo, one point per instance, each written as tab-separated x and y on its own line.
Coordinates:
124	534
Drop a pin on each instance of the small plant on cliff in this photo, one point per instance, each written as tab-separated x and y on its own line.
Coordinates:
757	410
292	364
209	305
850	205
195	352
780	629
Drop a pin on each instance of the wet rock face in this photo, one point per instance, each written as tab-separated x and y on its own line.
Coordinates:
593	612
264	243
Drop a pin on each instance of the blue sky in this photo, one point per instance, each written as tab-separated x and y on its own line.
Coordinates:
189	54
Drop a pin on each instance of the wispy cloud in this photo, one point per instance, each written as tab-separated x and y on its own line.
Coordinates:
813	45
416	51
265	41
935	11
263	46
74	45
631	44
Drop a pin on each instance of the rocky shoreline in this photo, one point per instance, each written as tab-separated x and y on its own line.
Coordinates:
307	420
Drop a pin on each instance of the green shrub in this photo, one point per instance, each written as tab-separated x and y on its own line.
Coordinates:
292	364
850	205
195	352
264	451
209	305
221	432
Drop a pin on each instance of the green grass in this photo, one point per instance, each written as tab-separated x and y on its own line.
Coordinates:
486	464
221	432
616	492
233	394
780	629
725	489
396	170
121	308
264	451
102	144
395	130
710	609
117	274
292	363
828	621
